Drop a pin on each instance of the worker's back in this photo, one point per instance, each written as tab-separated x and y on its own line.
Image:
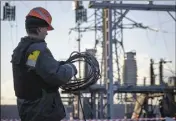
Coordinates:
37	75
32	91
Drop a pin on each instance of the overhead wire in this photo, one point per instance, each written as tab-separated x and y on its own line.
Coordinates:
163	22
11	33
171	15
170	70
16	21
163	37
23	2
146	27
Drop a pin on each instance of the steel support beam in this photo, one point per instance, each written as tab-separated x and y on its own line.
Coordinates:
110	70
146	89
147	7
120	19
171	16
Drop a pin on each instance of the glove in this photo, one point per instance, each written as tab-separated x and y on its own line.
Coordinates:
74	70
61	62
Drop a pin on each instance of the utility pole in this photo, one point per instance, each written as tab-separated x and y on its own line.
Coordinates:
80	17
79	66
79	47
162	61
152	74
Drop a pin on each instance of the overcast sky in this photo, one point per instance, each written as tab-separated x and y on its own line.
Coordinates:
147	43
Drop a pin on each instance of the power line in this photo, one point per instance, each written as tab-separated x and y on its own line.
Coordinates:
171	15
26	6
164	22
11	34
163	36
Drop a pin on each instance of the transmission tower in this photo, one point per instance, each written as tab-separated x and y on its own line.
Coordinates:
108	27
100	28
109	8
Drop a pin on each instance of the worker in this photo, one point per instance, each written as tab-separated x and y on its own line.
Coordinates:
37	75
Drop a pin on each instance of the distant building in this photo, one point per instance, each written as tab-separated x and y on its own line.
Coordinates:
172	81
130	69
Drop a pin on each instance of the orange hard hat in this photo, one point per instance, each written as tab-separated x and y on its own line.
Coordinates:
43	14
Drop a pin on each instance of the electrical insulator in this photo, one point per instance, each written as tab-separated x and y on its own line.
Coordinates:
9	12
81	15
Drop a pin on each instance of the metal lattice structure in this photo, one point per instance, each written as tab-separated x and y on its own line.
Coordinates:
110	7
108	27
101	39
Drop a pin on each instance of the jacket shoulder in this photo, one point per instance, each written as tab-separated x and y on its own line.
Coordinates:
37	47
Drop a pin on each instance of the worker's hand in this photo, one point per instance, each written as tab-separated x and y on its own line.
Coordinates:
61	62
74	70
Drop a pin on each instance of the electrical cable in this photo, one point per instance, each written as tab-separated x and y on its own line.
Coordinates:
92	76
79	100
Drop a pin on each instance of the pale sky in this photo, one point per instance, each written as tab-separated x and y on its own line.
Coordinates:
148	44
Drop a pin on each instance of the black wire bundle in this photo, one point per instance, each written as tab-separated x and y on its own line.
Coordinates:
92	76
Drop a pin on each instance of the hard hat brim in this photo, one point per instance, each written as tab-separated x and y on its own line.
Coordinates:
50	28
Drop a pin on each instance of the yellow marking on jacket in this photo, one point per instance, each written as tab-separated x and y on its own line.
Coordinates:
32	58
34	55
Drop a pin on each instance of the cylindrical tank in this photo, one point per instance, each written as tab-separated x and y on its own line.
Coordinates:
130	69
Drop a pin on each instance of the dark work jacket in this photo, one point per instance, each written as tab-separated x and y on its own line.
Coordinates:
36	86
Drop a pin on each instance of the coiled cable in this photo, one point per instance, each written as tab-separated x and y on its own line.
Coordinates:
92	76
